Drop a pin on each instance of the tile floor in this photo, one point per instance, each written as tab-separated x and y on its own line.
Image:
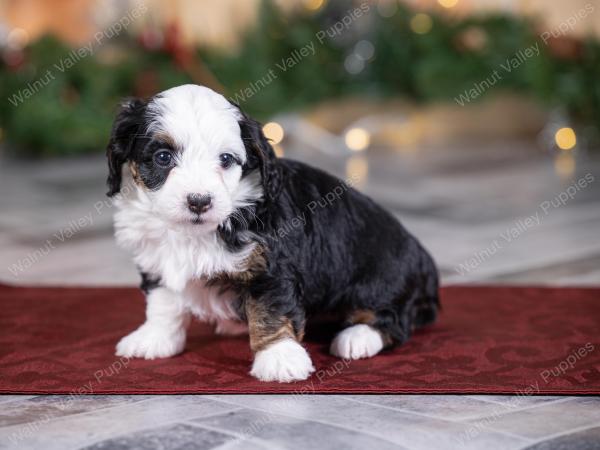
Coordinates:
463	202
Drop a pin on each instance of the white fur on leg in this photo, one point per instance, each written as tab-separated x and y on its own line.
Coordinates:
284	361
164	332
151	341
357	341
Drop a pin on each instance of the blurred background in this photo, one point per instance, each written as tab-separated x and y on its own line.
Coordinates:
476	122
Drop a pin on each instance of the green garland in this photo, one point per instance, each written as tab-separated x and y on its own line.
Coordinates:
72	113
435	66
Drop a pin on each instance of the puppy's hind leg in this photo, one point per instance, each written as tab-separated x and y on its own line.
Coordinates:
370	331
362	338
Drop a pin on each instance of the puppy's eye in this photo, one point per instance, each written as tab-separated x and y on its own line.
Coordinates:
227	160
163	158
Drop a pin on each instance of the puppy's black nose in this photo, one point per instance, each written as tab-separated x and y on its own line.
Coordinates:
199	204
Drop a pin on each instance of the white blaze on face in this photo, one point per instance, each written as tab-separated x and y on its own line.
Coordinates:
202	124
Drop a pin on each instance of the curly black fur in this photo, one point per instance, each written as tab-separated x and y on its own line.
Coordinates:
329	248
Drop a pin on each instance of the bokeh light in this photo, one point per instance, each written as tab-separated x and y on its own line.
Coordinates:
447	3
274	132
354	64
565	138
421	23
357	139
17	38
387	8
364	50
313	5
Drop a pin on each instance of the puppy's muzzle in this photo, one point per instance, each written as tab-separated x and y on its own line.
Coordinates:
199	204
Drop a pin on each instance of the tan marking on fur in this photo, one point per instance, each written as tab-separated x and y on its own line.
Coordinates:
365	316
133	167
368	317
255	263
164	137
300	334
264	329
135	173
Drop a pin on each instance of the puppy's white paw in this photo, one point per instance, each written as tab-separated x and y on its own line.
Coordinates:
283	361
151	342
231	327
357	341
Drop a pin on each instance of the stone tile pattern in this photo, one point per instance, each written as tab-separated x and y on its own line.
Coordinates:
300	421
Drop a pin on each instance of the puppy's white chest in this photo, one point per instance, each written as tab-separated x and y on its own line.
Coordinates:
210	303
176	255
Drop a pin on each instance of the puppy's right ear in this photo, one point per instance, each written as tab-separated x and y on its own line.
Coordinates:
126	127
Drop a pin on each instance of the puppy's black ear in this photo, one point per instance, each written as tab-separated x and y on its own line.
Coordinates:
126	127
260	155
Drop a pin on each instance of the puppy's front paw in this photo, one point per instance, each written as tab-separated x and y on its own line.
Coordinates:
283	361
357	341
151	342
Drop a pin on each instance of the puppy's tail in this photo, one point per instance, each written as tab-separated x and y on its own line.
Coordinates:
427	306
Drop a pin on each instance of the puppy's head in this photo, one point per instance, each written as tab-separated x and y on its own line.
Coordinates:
196	155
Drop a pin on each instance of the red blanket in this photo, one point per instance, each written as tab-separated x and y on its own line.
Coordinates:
511	340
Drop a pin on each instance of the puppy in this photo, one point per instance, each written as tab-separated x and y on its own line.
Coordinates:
222	230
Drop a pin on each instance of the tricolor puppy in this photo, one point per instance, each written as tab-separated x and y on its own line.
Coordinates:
223	230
